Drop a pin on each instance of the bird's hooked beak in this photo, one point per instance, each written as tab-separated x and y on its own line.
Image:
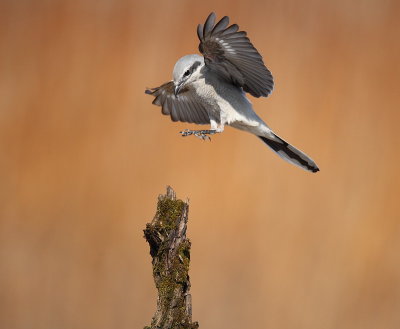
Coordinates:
177	88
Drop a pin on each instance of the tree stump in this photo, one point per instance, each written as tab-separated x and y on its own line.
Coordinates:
170	250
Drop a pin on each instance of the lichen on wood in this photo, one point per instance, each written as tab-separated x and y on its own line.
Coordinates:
170	250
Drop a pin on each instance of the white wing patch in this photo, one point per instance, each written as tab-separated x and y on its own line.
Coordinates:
226	46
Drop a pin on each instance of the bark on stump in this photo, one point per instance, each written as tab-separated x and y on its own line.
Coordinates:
170	250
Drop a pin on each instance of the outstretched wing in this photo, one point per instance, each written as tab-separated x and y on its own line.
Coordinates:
185	108
230	53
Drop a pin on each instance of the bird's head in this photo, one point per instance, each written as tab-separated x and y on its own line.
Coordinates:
186	71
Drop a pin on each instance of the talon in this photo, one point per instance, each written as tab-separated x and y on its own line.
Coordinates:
199	135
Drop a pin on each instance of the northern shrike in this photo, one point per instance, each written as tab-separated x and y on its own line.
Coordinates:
211	89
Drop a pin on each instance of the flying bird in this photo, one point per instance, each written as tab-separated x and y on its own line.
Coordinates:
211	89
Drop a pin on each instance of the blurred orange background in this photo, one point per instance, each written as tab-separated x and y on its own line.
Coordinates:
84	155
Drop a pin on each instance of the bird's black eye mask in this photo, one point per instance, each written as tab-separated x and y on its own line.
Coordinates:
191	69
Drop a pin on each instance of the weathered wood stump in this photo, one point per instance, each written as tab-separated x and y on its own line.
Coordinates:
170	250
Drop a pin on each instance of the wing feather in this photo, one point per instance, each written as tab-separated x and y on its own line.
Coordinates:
221	25
231	54
208	25
185	108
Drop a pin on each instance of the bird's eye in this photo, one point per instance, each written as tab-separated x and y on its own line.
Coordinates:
186	73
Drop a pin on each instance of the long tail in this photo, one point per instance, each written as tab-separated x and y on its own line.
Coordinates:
289	153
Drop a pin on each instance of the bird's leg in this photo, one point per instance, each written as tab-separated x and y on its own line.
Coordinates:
202	134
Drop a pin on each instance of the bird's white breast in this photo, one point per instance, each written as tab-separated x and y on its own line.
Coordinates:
230	101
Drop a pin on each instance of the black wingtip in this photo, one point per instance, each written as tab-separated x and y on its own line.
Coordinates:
148	92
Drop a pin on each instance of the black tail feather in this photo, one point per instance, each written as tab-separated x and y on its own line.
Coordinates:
290	153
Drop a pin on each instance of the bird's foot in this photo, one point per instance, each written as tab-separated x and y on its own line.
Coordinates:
202	134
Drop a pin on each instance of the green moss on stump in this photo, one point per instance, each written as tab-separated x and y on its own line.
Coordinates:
168	213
